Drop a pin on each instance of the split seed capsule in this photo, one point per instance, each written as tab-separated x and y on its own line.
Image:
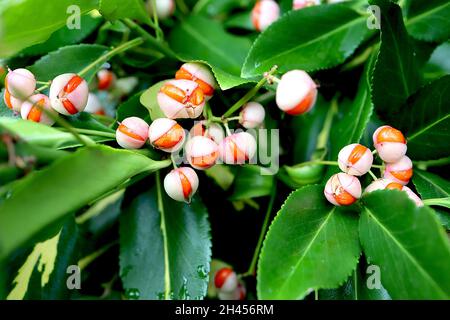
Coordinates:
20	83
226	280
32	109
387	184
400	171
264	13
166	135
201	75
252	115
12	102
237	148
213	131
355	159
201	152
181	184
132	133
390	143
342	189
69	94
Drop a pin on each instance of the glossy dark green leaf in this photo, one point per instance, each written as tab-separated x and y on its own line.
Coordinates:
396	75
313	38
24	23
425	120
403	239
68	59
132	108
310	245
165	254
431	186
65	189
64	37
201	39
121	9
439	64
260	179
428	20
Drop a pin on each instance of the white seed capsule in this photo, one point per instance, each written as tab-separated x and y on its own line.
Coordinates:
264	13
94	105
69	94
252	115
20	83
238	294
390	143
237	148
400	171
199	73
300	4
213	131
32	109
105	79
181	99
342	189
181	184
201	152
296	92
355	159
132	133
12	102
164	8
166	135
225	280
382	184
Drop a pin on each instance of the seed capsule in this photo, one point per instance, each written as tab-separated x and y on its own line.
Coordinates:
164	8
12	102
252	115
201	152
238	294
20	83
382	184
264	13
390	143
213	131
226	280
94	105
400	171
69	94
355	159
342	189
32	109
181	184
199	73
296	92
106	79
237	148
181	99
132	133
166	135
300	4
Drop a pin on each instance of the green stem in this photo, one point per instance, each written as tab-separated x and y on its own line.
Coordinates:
94	133
252	269
250	94
164	234
161	46
374	177
122	48
182	6
423	165
159	33
322	139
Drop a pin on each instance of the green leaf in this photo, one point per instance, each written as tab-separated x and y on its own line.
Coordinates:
428	20
64	37
27	22
426	121
68	59
439	64
132	108
352	120
431	186
121	9
149	100
310	245
165	253
259	178
204	40
42	135
324	37
403	239
47	196
396	75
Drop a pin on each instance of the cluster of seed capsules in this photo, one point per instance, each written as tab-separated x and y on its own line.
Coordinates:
69	95
228	285
355	160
